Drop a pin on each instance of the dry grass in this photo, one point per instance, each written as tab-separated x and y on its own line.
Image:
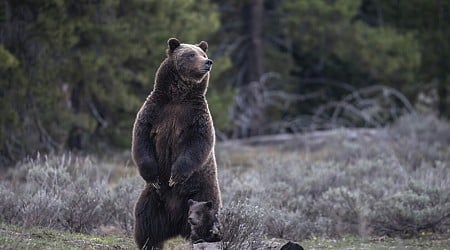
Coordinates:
327	185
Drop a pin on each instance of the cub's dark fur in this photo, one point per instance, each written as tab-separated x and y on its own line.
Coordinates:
205	226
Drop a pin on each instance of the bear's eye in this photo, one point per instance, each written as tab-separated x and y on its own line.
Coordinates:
191	55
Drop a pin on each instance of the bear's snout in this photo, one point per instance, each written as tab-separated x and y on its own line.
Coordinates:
191	220
208	65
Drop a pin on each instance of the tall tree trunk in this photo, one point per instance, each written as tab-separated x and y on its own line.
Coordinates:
248	112
255	51
444	76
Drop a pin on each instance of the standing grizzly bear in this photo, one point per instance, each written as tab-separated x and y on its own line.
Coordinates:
173	146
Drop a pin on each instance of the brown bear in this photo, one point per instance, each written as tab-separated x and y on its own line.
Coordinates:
205	226
173	146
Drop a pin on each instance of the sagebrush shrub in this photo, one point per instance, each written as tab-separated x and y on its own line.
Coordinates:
361	193
421	141
119	205
67	192
9	205
393	183
242	225
348	209
412	211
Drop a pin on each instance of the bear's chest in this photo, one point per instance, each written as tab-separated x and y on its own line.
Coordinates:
170	130
172	121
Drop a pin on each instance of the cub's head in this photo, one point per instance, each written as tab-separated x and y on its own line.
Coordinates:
190	60
201	213
205	226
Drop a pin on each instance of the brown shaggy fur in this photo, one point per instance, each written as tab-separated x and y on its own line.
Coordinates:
173	146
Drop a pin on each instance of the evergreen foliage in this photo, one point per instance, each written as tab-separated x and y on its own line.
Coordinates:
74	73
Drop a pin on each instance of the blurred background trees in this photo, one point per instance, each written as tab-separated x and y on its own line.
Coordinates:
74	73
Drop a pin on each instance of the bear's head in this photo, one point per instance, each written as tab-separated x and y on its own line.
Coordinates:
200	214
190	61
204	223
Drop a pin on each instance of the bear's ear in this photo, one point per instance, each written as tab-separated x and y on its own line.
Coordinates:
209	204
203	45
173	43
190	202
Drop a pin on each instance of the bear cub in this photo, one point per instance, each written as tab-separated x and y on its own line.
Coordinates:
202	218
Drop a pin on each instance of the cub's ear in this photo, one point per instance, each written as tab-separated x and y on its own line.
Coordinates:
190	202
203	45
173	43
209	204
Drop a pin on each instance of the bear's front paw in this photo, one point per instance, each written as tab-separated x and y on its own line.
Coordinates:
175	179
156	187
172	182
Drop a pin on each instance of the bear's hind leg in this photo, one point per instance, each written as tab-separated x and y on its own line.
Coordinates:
149	232
143	238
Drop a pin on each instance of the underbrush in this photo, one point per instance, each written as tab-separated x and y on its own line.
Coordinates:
329	199
395	184
67	192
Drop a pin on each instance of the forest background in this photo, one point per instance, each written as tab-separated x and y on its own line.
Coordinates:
331	116
74	73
